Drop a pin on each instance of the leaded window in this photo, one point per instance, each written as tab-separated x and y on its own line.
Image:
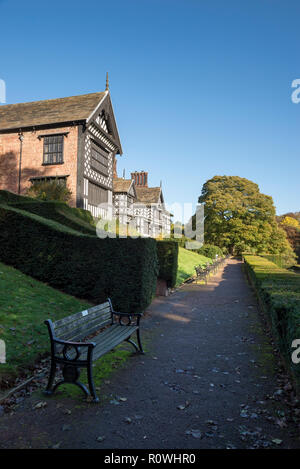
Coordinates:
96	194
53	149
99	160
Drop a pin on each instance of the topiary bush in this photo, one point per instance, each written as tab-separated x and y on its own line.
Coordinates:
84	266
167	252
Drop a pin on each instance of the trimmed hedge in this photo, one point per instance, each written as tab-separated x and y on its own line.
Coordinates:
279	290
81	265
167	252
7	197
281	260
76	218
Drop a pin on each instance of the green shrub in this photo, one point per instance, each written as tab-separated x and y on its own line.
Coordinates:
209	250
50	190
279	290
76	218
81	265
167	252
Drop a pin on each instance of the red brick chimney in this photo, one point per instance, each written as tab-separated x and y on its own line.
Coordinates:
140	178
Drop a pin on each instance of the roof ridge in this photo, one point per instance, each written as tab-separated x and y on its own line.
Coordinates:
53	99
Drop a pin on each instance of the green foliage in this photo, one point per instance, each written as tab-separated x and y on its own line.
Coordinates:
167	253
280	291
76	218
209	250
81	265
177	234
50	190
239	218
7	197
293	236
285	260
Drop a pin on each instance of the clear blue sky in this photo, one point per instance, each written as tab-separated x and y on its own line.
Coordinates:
199	87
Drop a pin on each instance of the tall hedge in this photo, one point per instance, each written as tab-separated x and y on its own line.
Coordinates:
81	265
167	252
76	218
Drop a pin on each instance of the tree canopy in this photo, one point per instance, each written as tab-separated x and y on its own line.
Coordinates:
238	217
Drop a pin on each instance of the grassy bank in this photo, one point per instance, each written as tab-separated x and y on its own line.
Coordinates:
24	305
187	261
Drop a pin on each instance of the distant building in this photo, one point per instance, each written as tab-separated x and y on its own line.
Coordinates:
124	197
74	139
135	202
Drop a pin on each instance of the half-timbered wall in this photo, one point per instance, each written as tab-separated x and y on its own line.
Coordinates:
99	153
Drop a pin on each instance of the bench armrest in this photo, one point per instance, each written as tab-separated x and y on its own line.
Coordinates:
128	316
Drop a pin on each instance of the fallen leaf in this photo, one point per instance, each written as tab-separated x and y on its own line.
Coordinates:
40	405
277	441
194	433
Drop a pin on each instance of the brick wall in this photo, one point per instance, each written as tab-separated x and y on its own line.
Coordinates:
32	159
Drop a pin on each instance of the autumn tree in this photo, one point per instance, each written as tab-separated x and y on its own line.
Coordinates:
238	217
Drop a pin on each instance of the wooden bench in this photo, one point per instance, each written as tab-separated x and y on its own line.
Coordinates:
202	273
80	339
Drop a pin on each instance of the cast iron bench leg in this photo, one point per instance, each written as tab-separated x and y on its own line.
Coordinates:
49	389
91	383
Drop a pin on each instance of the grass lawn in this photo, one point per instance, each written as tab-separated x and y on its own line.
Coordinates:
24	305
187	261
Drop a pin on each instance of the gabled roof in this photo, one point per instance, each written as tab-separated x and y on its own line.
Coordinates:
122	185
49	111
148	195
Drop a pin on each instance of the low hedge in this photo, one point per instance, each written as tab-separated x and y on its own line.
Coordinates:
281	260
81	265
76	218
279	290
167	252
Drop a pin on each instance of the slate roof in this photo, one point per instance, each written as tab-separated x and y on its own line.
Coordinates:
50	111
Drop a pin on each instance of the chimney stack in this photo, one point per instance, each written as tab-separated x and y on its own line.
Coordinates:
115	174
140	178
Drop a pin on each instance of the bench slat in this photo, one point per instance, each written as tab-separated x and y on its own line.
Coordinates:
122	333
82	330
81	314
81	321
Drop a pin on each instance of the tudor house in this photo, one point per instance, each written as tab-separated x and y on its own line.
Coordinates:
73	139
134	200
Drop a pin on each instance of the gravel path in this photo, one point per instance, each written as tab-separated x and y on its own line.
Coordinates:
208	380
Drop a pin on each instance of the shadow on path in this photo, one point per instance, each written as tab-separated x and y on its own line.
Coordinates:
208	380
